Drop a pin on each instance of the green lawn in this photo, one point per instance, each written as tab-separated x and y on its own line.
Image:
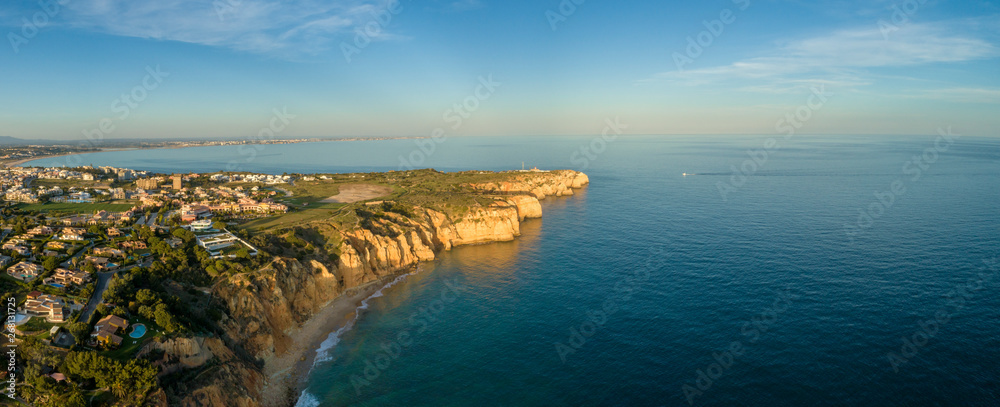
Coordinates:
130	346
299	216
35	324
87	208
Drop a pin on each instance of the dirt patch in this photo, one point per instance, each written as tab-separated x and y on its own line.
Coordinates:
358	192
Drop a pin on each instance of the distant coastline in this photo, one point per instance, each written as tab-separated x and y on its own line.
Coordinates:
20	162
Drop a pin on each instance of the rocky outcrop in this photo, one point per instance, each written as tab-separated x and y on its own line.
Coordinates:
265	307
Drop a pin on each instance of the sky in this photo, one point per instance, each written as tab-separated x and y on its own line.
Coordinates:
71	69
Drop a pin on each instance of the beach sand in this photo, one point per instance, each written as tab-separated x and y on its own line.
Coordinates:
287	373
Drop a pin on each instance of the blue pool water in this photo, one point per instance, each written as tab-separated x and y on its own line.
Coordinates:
56	285
138	330
809	284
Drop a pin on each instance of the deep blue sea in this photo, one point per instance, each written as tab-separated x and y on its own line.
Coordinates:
840	270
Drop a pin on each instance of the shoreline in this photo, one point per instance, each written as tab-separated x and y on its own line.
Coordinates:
21	161
287	374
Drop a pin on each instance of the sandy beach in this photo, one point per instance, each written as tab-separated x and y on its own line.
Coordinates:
287	373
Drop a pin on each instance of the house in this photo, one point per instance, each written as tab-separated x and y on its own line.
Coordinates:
4	260
41	230
68	277
203	225
25	271
190	213
108	252
132	244
114	232
44	305
72	234
17	248
54	245
102	263
105	330
174	242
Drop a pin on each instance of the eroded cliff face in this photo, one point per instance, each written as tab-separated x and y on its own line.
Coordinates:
264	308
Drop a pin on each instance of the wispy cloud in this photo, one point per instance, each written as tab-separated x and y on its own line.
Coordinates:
845	57
289	27
962	95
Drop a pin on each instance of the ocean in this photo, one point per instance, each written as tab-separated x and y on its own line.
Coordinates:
815	271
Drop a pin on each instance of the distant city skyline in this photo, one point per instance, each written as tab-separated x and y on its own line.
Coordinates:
372	68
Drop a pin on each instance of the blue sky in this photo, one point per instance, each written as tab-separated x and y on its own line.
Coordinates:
903	67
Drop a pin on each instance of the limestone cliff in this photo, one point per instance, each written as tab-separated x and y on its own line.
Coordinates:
264	308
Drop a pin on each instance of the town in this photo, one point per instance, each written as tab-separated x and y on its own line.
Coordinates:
99	260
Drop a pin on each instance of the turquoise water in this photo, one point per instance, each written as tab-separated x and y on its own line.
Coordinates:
650	289
138	331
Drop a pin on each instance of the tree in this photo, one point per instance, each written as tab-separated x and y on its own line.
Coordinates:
50	263
163	317
146	296
79	330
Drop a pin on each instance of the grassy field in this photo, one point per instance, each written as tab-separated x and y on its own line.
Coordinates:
87	208
445	192
299	216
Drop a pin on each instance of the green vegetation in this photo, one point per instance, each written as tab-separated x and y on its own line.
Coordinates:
85	208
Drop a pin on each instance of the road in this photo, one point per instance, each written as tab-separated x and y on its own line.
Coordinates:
103	280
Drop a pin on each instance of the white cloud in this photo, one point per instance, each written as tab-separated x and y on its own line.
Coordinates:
287	27
964	95
846	57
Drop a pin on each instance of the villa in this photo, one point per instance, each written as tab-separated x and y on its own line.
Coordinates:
106	330
41	230
132	244
67	278
25	271
102	263
108	252
72	234
114	232
54	245
44	305
203	225
17	248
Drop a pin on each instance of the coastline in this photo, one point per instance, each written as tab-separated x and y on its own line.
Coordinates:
287	374
21	161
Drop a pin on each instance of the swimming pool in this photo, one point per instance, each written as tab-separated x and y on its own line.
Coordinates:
138	330
56	285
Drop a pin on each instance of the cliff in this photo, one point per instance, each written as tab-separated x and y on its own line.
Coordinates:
265	309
